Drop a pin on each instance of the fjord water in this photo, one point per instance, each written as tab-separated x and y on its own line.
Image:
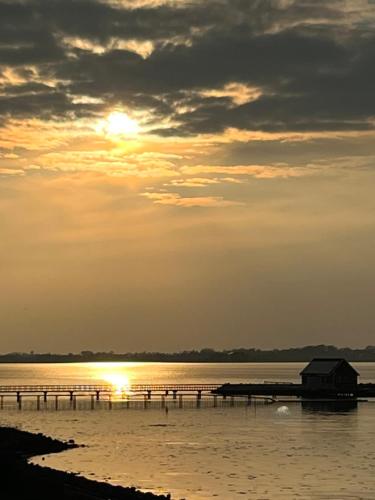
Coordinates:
250	452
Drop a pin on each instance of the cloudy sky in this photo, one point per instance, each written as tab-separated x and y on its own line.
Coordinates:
183	174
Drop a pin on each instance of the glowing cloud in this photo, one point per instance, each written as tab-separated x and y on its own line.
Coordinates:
118	123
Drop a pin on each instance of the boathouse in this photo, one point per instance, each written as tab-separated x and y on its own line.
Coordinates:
330	374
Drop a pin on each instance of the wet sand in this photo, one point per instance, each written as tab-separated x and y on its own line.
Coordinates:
20	480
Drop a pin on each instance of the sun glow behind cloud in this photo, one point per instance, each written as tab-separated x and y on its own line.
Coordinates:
118	123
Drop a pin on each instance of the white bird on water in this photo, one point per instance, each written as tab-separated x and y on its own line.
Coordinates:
283	411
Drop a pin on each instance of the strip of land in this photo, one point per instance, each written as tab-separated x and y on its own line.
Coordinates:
239	355
21	480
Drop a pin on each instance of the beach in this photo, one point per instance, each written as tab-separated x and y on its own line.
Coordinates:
21	480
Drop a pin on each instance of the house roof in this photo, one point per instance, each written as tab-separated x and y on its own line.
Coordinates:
325	366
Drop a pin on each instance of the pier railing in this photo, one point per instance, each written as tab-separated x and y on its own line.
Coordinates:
88	388
99	396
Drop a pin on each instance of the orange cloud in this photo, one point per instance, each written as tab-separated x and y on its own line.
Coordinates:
11	171
202	181
177	200
258	171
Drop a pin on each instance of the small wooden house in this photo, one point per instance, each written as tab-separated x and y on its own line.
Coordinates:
330	374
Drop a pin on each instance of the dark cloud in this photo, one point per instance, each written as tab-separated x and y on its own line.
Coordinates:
297	153
309	112
311	62
45	105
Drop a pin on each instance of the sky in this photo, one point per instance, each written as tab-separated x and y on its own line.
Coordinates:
186	174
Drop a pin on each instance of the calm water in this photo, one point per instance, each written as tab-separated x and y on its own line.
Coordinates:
252	453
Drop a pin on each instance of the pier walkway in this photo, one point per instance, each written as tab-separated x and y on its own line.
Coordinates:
91	396
148	395
98	390
275	389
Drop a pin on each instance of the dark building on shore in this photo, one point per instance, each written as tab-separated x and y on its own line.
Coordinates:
322	378
330	374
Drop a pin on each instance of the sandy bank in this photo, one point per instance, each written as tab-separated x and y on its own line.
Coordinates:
23	481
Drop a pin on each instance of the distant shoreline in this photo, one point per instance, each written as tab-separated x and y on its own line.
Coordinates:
238	355
177	361
23	480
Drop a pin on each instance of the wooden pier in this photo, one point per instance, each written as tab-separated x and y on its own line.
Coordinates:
107	389
57	397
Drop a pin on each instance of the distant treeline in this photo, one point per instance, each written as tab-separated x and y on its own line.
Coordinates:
201	356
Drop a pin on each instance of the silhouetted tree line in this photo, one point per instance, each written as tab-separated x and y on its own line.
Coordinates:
201	356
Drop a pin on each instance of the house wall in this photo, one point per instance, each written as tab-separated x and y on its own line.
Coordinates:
343	378
318	381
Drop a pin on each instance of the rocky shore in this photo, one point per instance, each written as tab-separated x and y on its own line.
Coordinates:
20	480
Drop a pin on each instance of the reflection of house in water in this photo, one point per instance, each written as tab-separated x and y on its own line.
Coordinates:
332	375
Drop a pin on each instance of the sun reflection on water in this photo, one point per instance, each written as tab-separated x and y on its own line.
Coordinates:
120	383
113	374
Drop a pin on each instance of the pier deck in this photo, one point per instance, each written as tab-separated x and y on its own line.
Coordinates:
258	389
147	394
99	389
291	389
103	396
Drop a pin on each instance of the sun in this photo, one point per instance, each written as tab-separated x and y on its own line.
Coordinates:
118	123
